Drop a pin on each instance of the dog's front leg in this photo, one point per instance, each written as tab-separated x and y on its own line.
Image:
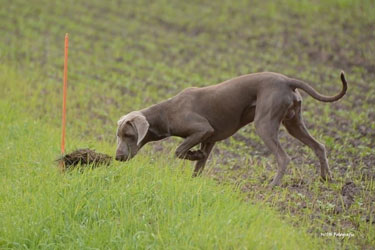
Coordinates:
183	151
206	149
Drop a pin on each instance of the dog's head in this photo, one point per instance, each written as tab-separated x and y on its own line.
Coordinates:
132	129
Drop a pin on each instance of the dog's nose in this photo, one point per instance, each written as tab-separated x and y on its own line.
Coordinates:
119	158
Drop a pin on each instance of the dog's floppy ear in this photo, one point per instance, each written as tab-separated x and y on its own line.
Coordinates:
141	125
138	121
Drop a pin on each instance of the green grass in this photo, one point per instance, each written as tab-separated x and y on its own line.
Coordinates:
127	55
146	203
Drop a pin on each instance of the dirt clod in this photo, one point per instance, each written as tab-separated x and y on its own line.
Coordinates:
84	156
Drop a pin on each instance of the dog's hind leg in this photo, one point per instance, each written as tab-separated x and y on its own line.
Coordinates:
268	117
269	134
296	127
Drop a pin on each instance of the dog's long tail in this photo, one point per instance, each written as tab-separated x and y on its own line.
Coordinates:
294	83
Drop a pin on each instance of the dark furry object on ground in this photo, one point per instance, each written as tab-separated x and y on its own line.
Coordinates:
83	156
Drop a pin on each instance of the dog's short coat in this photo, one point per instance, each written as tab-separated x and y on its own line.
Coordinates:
210	114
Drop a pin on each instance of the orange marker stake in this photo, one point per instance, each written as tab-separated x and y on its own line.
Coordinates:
65	86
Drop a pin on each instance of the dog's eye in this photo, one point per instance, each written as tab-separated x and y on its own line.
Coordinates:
128	135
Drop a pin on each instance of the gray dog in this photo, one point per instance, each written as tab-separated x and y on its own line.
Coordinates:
210	114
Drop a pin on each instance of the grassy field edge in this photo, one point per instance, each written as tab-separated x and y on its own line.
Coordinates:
146	203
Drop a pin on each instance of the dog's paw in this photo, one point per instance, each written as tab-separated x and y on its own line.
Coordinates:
326	178
196	155
192	155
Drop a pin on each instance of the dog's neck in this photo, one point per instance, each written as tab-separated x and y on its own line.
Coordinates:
158	120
